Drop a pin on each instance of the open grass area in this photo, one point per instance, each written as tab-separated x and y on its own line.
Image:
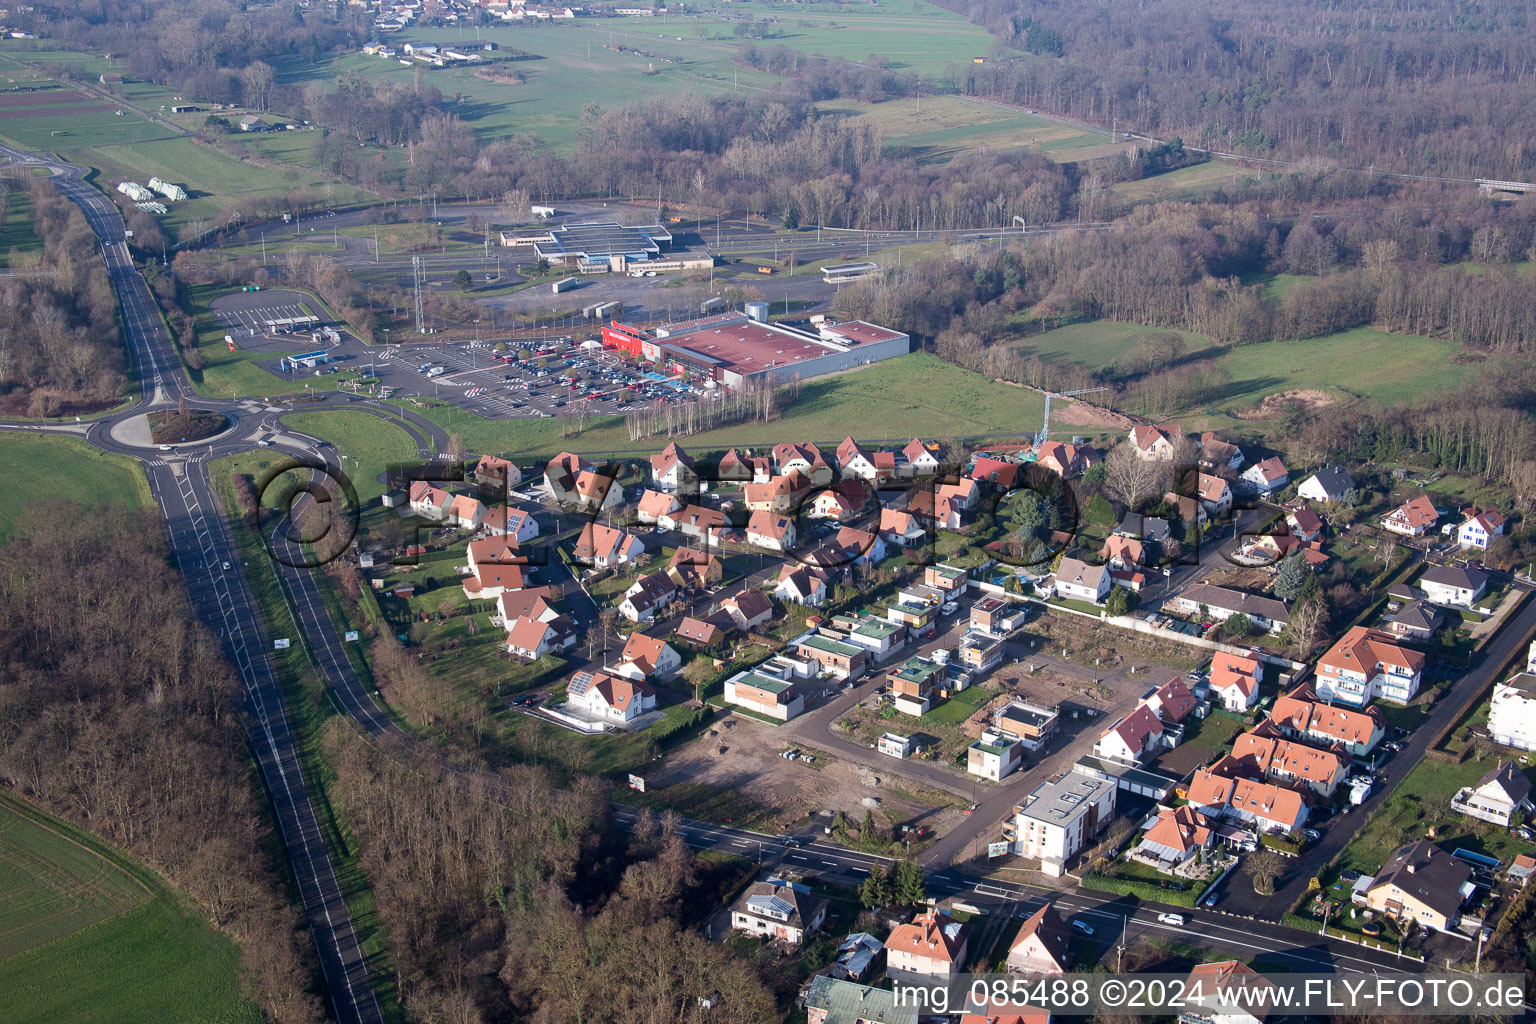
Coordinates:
86	935
917	394
41	468
936	128
1392	369
368	444
1098	343
19	244
1423	801
1187	181
213	179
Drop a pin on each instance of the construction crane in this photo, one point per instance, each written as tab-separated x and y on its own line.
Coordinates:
1045	428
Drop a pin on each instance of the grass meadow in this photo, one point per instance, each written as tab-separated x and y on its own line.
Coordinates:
42	468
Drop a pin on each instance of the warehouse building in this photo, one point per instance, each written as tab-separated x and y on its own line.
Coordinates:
598	244
734	351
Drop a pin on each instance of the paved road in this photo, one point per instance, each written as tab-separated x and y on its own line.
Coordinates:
200	543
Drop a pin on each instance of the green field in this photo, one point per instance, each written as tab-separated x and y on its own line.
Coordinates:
212	179
42	468
369	444
87	936
935	128
917	394
17	235
907	35
1186	181
1097	343
1392	369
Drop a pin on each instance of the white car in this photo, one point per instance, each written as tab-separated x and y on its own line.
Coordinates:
166	448
1177	920
1082	927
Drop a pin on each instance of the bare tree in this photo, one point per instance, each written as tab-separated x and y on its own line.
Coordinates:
1133	479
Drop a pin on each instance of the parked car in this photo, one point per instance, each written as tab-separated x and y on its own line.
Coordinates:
1213	899
1082	927
1177	920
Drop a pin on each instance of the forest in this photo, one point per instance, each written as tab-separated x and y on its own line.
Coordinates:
59	345
119	712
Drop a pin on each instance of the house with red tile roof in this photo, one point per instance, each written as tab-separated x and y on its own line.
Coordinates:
1177	837
806	458
1219	792
1000	476
647	657
1042	945
1213	988
610	698
1267	476
1366	664
1065	460
655	506
771	530
932	943
748	608
732	467
530	639
1234	681
801	585
496	475
429	502
504	521
920	459
1412	518
595	491
604	547
900	528
692	568
672	470
488	581
528	603
1300	714
1264	753
1215	495
1136	737
1478	528
1172	702
1156	443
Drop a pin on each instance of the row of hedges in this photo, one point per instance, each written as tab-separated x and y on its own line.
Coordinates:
1143	890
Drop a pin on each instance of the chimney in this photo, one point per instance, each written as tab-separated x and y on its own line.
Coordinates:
1410	869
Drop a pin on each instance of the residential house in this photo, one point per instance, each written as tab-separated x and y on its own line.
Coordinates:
464	511
1157	444
1001	1008
647	596
1148	529
998	475
964	494
429	502
1136	737
1300	714
996	616
528	603
489	580
771	531
1035	726
604	547
1412	518
920	458
732	468
1121	552
806	459
1172	702
560	475
860	547
931	944
1421	883
854	461
1365	664
1502	796
504	521
951	580
1217	455
647	657
1220	793
496	476
779	911
610	698
838	659
1512	713
1478	528
834	1001
1187	509
776	494
1178	836
1453	586
915	684
1234	681
698	522
748	608
672	471
596	491
654	506
1267	476
801	585
1331	483
900	528
831	504
880	637
1043	945
980	652
691	568
1215	495
531	639
1077	580
1065	460
895	745
1263	753
706	634
856	956
1060	818
775	695
1416	621
1221	603
1306	525
934	510
996	755
1211	995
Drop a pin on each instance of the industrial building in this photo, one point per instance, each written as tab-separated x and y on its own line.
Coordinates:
735	351
597	244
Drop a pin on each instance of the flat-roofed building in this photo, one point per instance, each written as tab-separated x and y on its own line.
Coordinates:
1060	818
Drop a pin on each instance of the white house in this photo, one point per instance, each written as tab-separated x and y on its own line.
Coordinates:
801	586
605	547
609	697
1499	797
920	459
1221	603
429	502
647	657
1478	529
517	523
530	638
1365	664
996	755
1452	586
1043	945
1234	681
779	911
1214	995
770	530
1412	518
1512	714
647	596
1134	738
672	470
1215	495
1060	817
1267	476
932	944
1080	581
1331	483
